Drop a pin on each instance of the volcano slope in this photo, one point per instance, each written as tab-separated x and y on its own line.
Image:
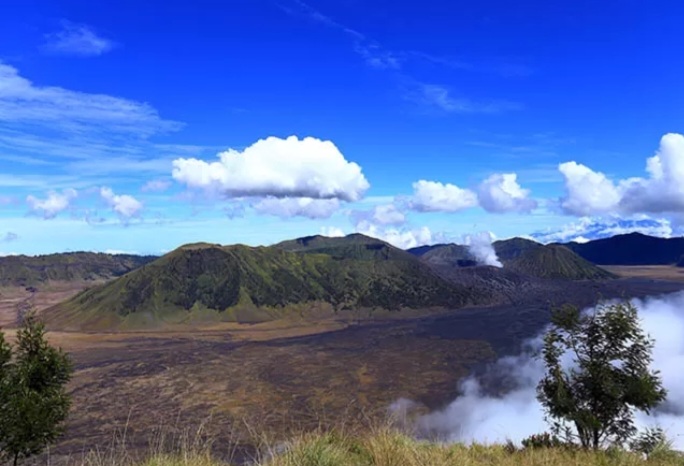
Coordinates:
203	283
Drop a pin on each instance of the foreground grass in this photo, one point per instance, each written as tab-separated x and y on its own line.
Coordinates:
389	448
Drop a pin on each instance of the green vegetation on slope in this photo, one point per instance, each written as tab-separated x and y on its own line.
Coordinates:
554	261
513	248
354	246
72	266
252	284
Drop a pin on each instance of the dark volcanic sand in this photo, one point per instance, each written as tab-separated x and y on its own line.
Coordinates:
277	385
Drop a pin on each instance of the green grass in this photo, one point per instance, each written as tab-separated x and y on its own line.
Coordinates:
386	447
255	284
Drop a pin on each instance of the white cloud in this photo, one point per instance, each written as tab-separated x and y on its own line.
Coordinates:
480	416
591	228
332	232
501	193
591	193
78	40
385	214
588	192
432	196
401	238
156	186
53	204
297	207
115	252
21	101
277	167
125	206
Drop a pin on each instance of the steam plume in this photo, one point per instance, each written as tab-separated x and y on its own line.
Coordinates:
480	246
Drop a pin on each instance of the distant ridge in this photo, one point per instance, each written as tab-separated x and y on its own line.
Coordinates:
631	249
70	266
518	255
354	246
555	261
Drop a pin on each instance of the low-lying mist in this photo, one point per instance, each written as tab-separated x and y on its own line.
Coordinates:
488	413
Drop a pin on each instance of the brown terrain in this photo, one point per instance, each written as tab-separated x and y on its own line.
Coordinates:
279	376
654	272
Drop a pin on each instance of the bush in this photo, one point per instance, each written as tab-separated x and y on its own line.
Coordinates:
543	440
649	441
33	400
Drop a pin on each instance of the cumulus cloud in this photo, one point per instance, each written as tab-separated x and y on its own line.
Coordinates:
9	237
401	238
501	193
479	416
591	228
386	214
78	40
277	167
432	196
297	207
332	232
589	192
53	204
156	186
480	246
124	205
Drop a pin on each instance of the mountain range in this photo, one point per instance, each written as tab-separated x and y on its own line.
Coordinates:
71	266
631	249
210	282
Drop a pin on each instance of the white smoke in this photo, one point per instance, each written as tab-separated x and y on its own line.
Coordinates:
480	246
480	417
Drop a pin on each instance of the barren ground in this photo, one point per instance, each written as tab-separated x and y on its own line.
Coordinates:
280	376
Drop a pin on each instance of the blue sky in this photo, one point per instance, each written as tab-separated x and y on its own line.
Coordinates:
139	126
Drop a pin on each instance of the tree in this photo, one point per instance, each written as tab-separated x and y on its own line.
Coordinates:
33	399
608	378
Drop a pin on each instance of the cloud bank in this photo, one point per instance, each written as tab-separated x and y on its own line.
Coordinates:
591	228
481	417
590	192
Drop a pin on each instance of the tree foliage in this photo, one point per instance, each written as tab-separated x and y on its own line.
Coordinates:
33	400
597	374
